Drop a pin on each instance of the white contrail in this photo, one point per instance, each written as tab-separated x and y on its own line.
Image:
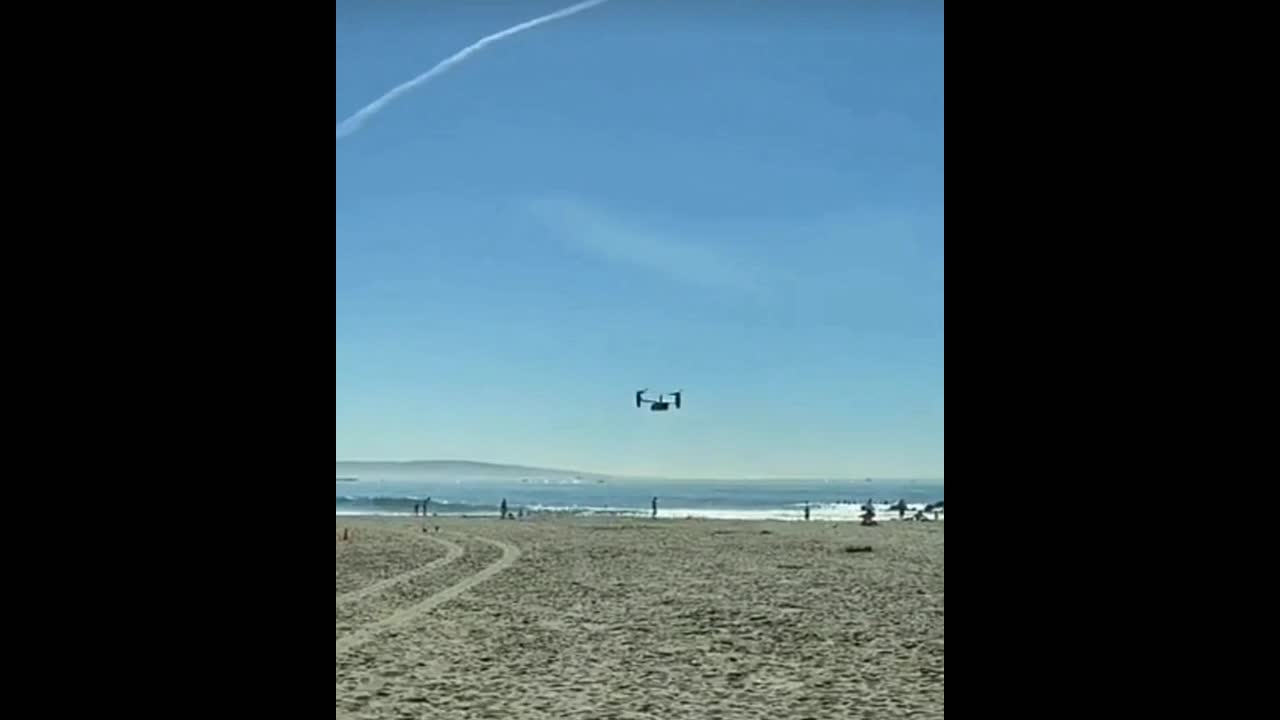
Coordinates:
355	122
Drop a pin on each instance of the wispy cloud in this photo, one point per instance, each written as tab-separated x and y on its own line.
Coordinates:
356	121
627	242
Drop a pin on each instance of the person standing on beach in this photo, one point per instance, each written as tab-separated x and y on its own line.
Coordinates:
415	509
655	508
806	510
504	508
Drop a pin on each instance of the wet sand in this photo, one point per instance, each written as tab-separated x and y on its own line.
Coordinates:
572	619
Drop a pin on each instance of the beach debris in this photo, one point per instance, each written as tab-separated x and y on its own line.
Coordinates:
766	532
857	548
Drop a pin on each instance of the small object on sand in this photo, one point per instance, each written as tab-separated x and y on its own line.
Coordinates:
858	549
766	532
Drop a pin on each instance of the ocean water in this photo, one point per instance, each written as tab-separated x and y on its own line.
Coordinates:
838	500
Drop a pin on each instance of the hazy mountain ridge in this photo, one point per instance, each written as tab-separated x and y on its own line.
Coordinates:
463	468
473	470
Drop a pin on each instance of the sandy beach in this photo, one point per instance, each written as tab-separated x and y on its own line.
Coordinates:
567	619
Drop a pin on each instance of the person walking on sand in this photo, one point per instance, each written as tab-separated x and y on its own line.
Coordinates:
655	508
806	511
415	509
504	508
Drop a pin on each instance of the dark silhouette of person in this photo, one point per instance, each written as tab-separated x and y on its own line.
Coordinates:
655	507
902	509
806	510
504	508
415	509
869	514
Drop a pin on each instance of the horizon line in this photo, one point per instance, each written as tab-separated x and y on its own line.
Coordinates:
812	478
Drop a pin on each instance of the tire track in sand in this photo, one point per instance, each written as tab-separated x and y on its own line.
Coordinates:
453	551
510	553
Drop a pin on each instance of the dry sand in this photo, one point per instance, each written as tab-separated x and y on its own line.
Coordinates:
574	619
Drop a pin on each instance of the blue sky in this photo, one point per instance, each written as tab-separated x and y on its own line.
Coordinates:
743	200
